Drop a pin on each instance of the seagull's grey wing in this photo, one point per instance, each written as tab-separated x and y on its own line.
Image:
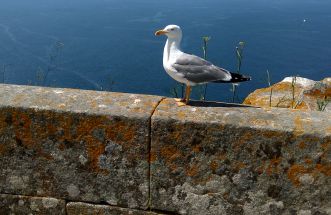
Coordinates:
198	70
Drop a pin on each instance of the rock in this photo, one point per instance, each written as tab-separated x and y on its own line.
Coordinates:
15	204
303	82
78	208
136	151
308	94
76	145
326	81
234	159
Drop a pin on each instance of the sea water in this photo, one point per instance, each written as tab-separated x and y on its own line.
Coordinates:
110	44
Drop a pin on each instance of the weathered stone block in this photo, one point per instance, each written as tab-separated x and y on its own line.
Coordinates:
240	160
79	208
14	204
75	144
297	93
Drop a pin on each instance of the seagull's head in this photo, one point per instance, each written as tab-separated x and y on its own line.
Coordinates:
171	31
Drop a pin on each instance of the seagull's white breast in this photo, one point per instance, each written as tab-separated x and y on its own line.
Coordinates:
170	54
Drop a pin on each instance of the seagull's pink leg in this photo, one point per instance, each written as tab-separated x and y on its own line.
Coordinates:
187	94
184	101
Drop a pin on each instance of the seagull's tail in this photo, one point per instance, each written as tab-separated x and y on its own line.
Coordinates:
235	77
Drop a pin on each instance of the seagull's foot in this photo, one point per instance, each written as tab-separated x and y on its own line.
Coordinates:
180	102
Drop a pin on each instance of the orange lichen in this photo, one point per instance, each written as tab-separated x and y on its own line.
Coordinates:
325	169
177	132
304	98
261	122
261	97
213	165
317	93
86	127
66	127
299	126
120	131
273	166
22	124
196	148
308	161
44	155
61	146
172	166
30	135
238	165
94	150
244	138
271	133
153	157
128	133
51	129
226	195
170	153
93	104
192	170
302	105
181	115
2	149
302	145
294	172
222	156
326	145
285	86
3	123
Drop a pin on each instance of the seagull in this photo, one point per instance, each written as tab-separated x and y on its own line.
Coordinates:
189	69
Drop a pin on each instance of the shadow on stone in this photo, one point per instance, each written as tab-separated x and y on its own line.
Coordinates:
216	104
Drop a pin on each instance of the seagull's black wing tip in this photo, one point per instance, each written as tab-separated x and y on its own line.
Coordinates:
235	78
239	78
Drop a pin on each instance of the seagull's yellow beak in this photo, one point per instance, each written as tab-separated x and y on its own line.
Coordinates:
160	32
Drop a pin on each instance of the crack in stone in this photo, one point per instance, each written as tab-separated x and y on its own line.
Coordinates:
149	206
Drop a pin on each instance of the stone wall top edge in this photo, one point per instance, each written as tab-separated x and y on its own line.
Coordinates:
313	123
90	102
77	101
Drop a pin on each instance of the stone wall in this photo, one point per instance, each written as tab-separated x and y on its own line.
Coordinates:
65	151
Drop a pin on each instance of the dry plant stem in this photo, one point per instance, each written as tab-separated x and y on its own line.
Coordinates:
239	55
280	101
5	66
174	91
205	93
234	87
51	67
299	99
270	97
205	48
177	91
269	83
294	79
321	104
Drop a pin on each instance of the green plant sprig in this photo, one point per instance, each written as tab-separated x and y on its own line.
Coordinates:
205	40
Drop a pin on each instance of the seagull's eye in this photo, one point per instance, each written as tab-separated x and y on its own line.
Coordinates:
172	29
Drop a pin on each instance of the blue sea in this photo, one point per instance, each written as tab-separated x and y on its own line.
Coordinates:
110	44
